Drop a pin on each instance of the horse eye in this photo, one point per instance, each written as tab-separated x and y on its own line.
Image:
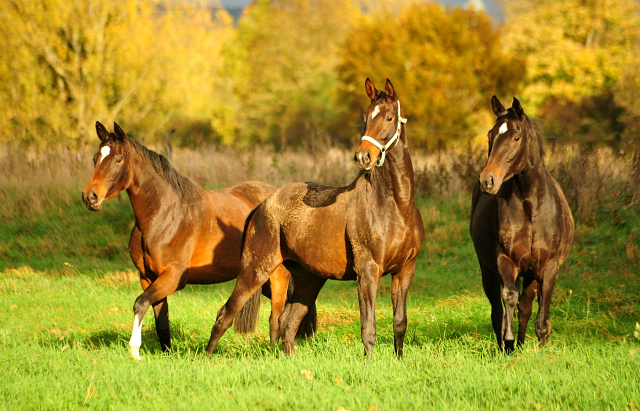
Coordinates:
517	137
119	160
389	118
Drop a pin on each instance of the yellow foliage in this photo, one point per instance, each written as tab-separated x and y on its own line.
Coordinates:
69	63
574	49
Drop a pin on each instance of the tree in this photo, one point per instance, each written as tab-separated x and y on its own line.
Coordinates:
282	68
69	63
577	52
445	64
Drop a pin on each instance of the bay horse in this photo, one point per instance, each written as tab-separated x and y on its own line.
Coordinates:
182	234
521	226
360	232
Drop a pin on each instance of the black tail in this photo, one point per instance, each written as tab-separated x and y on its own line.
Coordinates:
247	319
309	324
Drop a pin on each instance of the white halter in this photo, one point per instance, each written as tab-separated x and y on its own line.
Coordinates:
394	139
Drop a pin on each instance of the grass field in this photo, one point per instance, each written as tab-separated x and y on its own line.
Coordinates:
67	288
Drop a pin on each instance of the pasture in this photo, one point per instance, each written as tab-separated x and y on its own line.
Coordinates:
67	288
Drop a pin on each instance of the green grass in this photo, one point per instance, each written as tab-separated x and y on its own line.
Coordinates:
64	329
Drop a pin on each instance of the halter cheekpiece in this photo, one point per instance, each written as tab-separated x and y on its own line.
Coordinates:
394	139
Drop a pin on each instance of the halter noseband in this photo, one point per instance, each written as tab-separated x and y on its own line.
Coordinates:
394	139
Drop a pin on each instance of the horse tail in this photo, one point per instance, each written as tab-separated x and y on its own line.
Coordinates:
309	324
247	319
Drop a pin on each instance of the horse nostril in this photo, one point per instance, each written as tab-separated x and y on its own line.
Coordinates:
490	182
93	197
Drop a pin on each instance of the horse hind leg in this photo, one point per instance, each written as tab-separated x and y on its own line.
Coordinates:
279	282
301	304
309	324
399	290
246	286
548	281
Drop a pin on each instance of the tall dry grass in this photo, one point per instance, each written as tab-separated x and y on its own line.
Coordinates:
31	184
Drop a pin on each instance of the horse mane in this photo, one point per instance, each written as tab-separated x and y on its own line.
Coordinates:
533	127
181	184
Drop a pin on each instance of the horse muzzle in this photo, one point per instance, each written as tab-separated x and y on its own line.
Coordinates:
491	180
365	159
91	200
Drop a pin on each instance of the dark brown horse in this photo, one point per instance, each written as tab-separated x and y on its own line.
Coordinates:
182	234
521	226
360	232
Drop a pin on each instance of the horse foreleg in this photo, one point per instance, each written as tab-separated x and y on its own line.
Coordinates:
547	278
492	285
525	306
399	290
245	287
367	288
510	295
166	283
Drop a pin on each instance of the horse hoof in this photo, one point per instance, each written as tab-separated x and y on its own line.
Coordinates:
135	353
289	348
508	346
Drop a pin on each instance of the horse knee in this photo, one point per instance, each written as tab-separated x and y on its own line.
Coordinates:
510	297
140	306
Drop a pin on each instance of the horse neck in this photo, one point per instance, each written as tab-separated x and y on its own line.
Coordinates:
395	177
147	191
532	178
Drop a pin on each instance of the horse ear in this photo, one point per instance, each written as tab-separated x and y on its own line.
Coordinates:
102	132
517	108
389	90
497	106
372	91
119	133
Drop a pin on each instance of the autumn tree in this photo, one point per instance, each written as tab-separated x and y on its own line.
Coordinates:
579	55
445	65
66	64
281	67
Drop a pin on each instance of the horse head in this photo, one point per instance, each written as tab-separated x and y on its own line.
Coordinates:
382	126
509	143
111	172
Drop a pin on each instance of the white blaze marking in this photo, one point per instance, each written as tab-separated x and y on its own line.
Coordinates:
503	128
375	112
105	152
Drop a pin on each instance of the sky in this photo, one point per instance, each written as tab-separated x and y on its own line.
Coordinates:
492	7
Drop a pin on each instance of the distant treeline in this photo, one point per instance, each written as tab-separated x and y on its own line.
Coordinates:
292	72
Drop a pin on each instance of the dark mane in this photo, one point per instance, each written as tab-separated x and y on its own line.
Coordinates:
181	184
534	128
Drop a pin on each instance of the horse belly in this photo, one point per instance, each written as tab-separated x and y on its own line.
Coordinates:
322	252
